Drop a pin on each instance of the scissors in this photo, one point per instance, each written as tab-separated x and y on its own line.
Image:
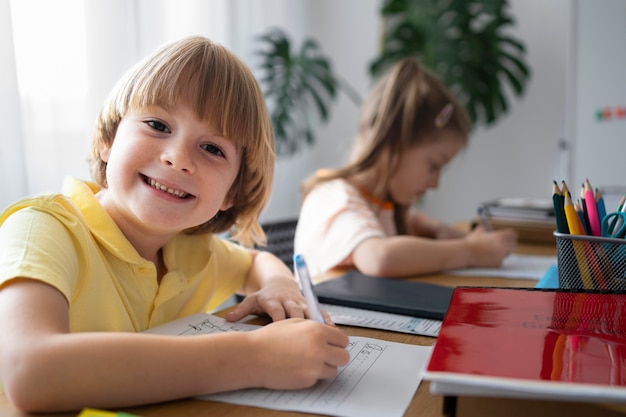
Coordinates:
614	225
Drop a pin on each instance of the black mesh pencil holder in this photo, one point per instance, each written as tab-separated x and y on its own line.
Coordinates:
591	263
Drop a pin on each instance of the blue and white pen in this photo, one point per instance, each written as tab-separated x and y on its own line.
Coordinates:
303	275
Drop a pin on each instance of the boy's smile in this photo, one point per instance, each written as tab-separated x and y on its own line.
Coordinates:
162	187
166	171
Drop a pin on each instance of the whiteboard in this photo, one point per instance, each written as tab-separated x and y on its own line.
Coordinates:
599	142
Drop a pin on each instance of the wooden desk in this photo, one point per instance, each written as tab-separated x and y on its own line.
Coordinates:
423	404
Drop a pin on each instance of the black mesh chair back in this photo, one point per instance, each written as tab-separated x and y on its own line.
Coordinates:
280	235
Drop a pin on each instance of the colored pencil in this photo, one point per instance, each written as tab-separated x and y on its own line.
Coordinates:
559	210
573	221
592	209
600	204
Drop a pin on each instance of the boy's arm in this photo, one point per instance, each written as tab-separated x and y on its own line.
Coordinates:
43	367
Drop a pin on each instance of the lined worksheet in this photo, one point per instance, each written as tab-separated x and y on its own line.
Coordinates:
358	317
514	266
380	379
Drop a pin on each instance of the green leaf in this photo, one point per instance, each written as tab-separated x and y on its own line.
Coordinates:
299	88
464	42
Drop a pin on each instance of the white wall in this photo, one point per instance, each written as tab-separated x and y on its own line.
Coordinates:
11	151
517	157
599	145
347	31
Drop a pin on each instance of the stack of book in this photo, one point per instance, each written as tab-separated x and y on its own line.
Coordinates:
533	219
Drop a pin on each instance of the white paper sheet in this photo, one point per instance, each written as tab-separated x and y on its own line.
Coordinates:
358	317
380	379
514	266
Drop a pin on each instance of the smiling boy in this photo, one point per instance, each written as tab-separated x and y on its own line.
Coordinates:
182	151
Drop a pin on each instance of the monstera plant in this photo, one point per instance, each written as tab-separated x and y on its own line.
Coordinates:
463	41
296	85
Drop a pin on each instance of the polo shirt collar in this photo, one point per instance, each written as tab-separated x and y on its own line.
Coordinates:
101	225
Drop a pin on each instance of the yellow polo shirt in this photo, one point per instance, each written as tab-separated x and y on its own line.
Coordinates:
70	242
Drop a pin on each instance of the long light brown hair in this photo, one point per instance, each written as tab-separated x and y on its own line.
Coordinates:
407	106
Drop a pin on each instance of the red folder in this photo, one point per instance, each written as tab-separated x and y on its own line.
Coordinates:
532	343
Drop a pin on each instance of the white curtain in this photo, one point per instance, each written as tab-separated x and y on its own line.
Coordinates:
59	59
12	166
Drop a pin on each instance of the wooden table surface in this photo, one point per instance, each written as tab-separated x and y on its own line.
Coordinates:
423	403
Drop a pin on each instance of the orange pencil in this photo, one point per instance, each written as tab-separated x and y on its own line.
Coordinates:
581	216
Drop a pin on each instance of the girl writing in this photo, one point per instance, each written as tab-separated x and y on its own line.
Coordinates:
361	215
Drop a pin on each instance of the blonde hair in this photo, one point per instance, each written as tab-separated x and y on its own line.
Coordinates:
221	90
406	107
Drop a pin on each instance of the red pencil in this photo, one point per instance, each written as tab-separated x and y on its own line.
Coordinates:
592	210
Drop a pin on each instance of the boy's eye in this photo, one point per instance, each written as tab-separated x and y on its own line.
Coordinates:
215	150
161	127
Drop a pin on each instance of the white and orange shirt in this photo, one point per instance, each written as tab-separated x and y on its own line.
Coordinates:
335	218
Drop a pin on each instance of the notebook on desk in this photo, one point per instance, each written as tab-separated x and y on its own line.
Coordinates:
533	344
354	289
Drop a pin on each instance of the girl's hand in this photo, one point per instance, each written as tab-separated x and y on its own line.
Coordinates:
490	248
449	232
296	353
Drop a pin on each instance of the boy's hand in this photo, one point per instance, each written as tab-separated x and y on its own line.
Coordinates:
296	353
280	299
272	289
